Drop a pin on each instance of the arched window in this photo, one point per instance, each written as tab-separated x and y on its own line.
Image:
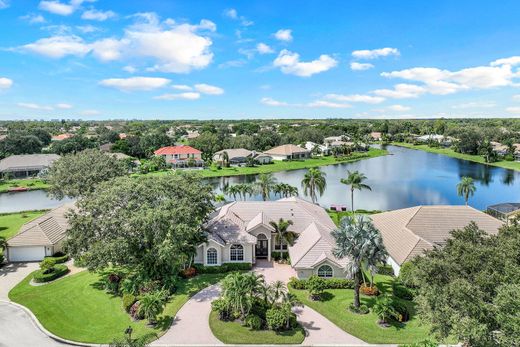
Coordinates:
211	256
325	271
236	253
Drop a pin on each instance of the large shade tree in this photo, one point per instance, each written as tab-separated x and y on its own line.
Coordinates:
355	180
314	182
151	224
76	175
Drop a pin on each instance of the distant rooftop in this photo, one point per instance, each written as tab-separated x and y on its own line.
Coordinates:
506	207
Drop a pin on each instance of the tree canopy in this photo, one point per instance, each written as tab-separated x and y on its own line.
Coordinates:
150	224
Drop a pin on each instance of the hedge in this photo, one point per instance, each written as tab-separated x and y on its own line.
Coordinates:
59	259
330	283
58	271
223	268
402	292
276	255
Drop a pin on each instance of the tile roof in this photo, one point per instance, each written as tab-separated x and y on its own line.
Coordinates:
48	229
286	150
27	162
180	149
234	153
410	231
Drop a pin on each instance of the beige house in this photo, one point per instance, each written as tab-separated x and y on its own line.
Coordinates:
241	232
26	165
40	237
409	232
288	152
239	156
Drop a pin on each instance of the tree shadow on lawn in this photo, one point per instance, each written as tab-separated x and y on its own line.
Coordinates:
327	296
164	322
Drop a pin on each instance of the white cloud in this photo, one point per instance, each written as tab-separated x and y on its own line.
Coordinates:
57	7
209	89
475	104
180	96
272	102
375	53
360	66
5	83
231	13
87	28
33	18
289	63
328	104
368	99
98	15
33	106
135	83
399	108
401	91
58	46
506	61
130	69
108	49
513	110
182	87
263	48
4	4
283	35
64	106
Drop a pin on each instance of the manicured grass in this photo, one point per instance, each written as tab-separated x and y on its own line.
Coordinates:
513	165
75	309
10	223
31	184
334	306
235	333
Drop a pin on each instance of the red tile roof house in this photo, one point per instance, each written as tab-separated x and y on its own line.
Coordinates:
179	156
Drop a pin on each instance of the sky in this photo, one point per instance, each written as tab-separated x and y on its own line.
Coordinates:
157	59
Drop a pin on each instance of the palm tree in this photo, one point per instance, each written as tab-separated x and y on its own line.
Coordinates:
225	159
278	290
290	191
265	184
376	254
232	190
355	181
466	188
354	241
314	182
151	305
240	288
278	189
3	243
282	232
288	302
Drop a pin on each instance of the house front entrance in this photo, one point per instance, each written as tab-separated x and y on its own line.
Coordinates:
262	247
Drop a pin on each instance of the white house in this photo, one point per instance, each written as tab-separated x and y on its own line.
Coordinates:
241	232
288	152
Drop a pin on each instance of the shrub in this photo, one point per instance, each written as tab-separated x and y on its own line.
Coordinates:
386	270
56	272
363	309
128	301
151	305
280	256
228	267
47	265
275	318
135	312
367	290
254	322
315	286
402	292
59	258
424	343
331	283
222	307
384	308
189	272
297	283
401	310
407	275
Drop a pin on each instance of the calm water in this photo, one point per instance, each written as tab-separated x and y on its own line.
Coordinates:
405	178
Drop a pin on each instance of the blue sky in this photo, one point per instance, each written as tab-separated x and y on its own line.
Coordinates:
258	59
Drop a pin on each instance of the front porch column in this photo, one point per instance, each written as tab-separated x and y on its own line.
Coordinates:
269	249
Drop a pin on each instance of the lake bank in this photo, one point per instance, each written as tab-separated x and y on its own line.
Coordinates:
511	165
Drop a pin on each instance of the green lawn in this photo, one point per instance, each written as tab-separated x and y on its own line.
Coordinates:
73	307
31	184
235	333
335	304
10	223
513	165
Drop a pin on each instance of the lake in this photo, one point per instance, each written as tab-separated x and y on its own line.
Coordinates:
403	179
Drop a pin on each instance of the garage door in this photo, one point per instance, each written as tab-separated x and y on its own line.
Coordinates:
33	253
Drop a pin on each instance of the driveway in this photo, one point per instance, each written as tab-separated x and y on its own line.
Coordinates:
12	274
191	324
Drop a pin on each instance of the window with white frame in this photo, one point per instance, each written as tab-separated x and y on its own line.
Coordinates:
211	256
325	271
236	253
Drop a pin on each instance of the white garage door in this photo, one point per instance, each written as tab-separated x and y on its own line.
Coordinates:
32	253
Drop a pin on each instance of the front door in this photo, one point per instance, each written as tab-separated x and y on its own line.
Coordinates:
261	250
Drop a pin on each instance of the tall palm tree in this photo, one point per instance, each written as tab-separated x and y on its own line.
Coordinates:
282	232
355	181
290	191
354	239
278	189
265	184
376	253
232	190
466	188
314	182
225	159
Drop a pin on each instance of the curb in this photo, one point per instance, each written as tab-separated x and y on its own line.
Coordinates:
45	331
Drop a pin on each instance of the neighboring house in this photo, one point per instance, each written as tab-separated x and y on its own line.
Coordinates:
310	146
241	232
443	140
122	136
61	137
331	139
376	136
239	156
335	144
288	152
180	156
26	165
504	211
40	237
499	148
409	232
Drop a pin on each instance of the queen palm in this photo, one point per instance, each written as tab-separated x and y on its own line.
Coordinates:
354	240
466	188
313	183
355	181
232	190
282	232
265	184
